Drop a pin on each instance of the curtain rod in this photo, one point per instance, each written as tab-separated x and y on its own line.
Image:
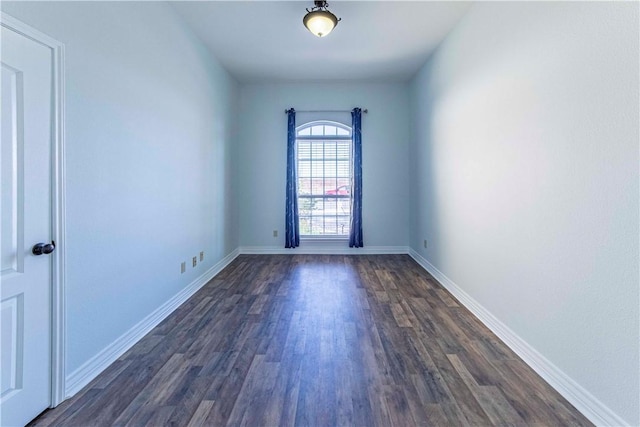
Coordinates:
364	110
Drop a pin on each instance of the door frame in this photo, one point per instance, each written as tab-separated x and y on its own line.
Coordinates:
57	215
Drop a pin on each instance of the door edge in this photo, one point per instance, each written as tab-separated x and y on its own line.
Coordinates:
58	214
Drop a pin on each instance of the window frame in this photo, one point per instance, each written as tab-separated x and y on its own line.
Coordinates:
346	138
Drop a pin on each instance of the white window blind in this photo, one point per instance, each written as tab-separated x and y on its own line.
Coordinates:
324	178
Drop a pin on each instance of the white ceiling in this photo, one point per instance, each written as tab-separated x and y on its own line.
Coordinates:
265	41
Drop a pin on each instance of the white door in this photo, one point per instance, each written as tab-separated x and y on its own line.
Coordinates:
25	286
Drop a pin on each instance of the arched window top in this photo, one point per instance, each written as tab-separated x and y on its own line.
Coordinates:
323	129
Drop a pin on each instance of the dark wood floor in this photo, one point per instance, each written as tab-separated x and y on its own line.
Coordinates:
318	341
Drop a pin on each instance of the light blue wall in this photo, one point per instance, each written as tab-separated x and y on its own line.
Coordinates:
524	179
261	156
149	122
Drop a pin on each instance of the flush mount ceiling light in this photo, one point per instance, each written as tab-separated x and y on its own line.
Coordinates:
319	20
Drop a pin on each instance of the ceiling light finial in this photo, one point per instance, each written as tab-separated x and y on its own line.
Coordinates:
319	20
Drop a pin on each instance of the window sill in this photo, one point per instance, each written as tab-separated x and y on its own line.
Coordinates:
324	238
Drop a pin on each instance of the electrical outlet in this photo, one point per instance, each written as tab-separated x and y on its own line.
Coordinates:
183	267
201	256
275	233
195	261
425	243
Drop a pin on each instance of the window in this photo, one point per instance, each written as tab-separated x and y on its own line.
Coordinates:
324	178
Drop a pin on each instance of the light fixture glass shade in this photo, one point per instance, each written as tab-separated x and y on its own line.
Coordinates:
320	22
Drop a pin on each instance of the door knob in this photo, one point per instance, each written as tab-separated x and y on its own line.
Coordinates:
43	248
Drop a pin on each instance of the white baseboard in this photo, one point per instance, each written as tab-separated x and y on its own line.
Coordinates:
98	363
596	411
324	248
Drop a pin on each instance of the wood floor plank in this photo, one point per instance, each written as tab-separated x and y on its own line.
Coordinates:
295	340
398	406
160	416
201	413
140	410
187	400
402	320
252	400
497	407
